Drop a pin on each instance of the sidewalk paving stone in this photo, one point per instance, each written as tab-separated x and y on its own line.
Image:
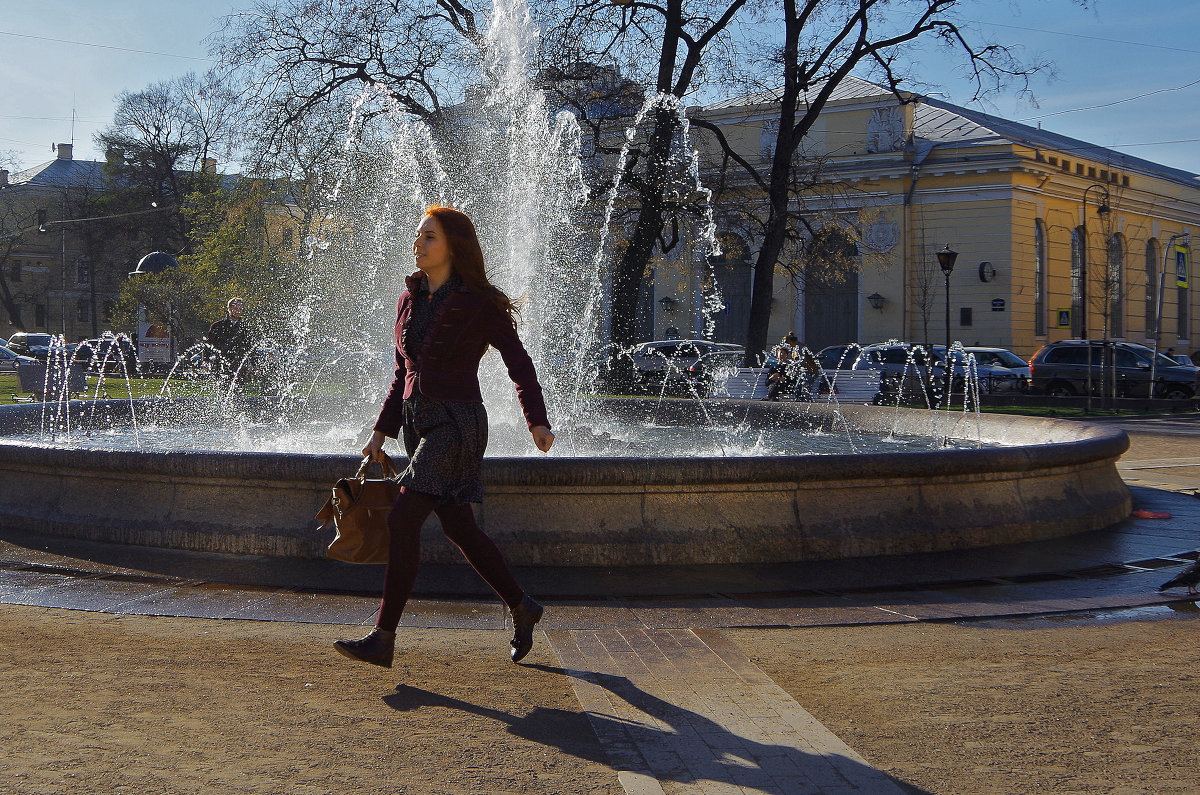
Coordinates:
691	711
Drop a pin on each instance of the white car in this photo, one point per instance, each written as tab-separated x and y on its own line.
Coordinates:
10	359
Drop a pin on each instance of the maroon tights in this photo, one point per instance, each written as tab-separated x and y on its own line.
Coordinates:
411	510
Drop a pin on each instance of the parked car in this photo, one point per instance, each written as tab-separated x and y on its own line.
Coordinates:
670	359
909	372
30	344
712	366
9	360
1000	370
839	357
107	353
1061	369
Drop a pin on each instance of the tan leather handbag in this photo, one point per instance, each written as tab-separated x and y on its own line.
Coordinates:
358	509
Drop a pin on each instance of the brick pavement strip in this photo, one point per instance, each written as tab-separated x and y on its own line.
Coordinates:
680	710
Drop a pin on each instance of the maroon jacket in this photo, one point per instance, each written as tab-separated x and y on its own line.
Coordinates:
447	365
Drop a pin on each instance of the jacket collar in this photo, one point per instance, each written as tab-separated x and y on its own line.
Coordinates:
413	283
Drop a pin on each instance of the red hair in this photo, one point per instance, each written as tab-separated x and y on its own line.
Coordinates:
466	255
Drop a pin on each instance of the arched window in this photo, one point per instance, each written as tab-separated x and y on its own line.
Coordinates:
1039	278
1078	287
1114	285
1152	257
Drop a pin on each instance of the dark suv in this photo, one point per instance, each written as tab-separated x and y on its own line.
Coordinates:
1061	368
31	344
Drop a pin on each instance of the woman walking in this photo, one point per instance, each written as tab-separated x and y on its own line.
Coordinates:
445	320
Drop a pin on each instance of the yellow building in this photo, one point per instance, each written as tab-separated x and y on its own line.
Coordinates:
1056	238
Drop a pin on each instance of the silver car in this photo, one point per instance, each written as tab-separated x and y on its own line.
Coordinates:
674	357
1000	370
10	359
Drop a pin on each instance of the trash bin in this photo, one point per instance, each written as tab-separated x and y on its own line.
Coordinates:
33	379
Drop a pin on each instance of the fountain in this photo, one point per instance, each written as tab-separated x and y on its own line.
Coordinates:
605	497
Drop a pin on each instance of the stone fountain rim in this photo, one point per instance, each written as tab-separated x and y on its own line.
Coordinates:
1058	443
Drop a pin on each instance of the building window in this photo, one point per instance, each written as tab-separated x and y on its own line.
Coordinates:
1078	289
1039	279
83	310
14	273
83	272
39	315
1114	285
107	309
1152	257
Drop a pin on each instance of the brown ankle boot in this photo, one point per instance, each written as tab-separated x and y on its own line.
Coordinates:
376	648
524	616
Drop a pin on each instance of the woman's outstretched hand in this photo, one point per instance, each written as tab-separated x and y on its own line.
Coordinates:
374	448
542	438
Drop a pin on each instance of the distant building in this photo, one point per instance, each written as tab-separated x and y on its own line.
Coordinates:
46	276
901	181
65	255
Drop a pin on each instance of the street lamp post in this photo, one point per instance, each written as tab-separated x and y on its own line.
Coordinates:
946	258
1101	210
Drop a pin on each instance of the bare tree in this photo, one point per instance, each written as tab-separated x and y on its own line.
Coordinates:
157	149
923	279
666	47
823	43
293	56
17	221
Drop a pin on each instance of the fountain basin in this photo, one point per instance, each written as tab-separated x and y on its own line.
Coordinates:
1052	478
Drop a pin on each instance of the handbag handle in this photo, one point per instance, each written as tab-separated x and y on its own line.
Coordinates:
389	469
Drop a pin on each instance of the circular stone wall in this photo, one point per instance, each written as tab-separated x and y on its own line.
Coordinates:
1051	478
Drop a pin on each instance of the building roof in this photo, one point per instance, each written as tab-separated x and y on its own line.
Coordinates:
62	172
936	122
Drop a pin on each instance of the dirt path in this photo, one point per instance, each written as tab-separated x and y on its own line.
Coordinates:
95	703
1062	705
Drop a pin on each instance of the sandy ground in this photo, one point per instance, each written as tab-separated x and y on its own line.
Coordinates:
95	703
1065	704
108	704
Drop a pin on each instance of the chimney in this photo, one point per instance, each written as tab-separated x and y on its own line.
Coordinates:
209	166
64	151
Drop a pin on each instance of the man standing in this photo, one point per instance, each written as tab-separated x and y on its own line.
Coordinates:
230	335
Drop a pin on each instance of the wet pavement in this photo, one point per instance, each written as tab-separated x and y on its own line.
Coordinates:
1118	567
669	696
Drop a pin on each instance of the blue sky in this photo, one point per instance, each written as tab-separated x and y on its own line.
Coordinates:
1122	60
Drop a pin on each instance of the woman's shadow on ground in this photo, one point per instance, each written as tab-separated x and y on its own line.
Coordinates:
680	745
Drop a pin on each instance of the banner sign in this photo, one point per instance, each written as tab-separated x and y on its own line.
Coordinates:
1181	266
154	340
